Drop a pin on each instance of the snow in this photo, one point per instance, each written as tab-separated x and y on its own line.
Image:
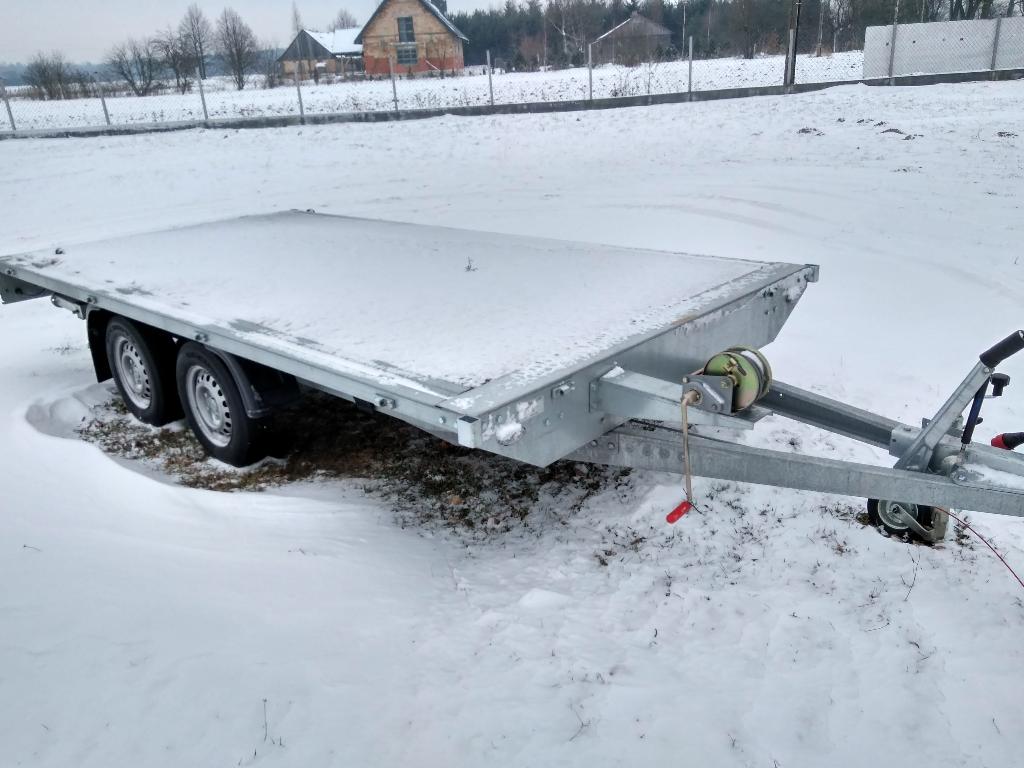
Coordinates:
339	41
979	474
303	284
433	92
147	624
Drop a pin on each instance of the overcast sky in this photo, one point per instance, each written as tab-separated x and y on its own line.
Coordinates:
85	29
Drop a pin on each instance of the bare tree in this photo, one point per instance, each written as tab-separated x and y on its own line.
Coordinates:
137	63
268	65
175	53
576	21
48	76
437	53
969	9
296	19
344	20
196	30
236	44
80	83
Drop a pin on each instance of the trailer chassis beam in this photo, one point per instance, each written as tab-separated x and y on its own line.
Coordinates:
937	464
660	449
831	415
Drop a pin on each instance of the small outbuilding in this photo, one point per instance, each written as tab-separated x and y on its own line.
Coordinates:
635	40
314	53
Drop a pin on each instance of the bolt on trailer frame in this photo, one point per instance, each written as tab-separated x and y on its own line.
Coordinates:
532	349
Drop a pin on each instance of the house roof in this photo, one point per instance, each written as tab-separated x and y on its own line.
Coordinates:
339	41
310	44
636	25
429	6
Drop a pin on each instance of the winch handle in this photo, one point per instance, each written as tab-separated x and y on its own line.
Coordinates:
1011	345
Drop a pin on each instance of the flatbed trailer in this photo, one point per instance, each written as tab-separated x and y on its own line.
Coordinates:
533	349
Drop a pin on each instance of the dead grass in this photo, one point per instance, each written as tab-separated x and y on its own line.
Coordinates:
427	480
846	512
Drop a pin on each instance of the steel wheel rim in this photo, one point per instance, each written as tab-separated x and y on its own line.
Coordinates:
208	404
892	514
132	372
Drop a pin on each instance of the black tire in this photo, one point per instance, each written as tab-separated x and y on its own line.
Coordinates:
142	365
881	515
215	410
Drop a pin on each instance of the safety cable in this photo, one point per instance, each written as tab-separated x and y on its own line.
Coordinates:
988	544
690	398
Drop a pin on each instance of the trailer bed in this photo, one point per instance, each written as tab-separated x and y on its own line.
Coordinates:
467	320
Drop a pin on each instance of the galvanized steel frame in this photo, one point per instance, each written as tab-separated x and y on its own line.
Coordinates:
554	410
591	405
934	468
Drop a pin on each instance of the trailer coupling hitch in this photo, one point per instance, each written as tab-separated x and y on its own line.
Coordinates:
938	465
683	427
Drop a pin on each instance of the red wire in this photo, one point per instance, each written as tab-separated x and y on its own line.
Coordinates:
988	544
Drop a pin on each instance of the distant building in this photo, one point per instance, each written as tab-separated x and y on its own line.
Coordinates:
415	35
635	40
315	53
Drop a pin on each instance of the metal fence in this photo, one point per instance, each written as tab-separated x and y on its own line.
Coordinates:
890	51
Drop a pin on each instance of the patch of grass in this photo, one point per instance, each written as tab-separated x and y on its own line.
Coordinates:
848	512
427	480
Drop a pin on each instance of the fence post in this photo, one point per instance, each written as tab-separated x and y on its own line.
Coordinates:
298	90
590	70
821	24
202	98
490	83
892	44
394	88
7	103
689	66
103	99
789	75
995	45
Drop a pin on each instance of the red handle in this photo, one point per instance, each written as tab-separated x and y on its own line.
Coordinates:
1008	440
678	512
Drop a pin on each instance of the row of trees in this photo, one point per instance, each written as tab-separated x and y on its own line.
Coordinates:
181	53
522	34
528	34
184	52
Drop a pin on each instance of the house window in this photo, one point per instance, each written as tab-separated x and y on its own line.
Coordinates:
405	33
407	55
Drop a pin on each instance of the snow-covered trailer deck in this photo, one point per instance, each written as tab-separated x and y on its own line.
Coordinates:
528	348
476	336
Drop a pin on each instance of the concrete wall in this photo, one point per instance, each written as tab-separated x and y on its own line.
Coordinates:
944	46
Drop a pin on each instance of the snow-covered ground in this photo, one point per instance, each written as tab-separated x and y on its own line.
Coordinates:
425	93
147	624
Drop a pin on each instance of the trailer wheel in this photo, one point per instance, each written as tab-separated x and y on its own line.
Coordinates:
214	408
889	516
142	365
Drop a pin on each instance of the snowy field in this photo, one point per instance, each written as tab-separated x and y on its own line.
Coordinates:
148	624
425	93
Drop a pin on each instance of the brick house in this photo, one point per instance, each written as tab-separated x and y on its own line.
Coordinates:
415	35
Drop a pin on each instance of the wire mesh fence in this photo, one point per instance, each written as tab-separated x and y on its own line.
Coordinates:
977	45
634	59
